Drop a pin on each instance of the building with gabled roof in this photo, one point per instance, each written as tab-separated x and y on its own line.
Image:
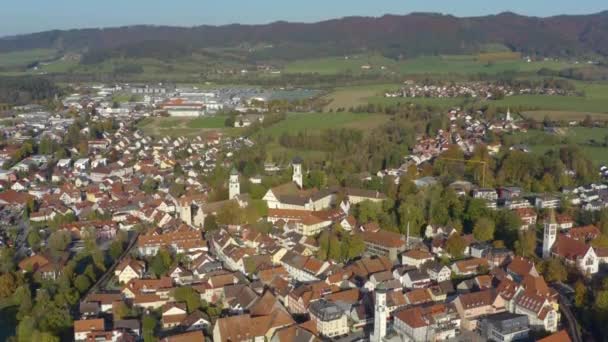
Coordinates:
330	318
475	305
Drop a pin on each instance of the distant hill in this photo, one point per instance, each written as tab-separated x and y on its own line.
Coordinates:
392	35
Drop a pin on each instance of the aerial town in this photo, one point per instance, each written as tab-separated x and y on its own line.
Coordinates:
130	226
193	171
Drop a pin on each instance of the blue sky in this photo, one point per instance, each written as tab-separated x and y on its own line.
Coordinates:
39	15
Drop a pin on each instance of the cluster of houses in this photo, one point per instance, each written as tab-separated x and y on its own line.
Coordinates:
271	284
477	90
467	131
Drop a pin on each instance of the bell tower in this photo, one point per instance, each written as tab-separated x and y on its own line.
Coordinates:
234	187
297	177
380	316
550	233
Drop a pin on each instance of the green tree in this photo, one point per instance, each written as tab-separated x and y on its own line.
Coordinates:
177	190
149	186
475	209
82	283
601	301
120	311
161	263
149	324
580	294
334	248
315	179
115	250
230	213
323	252
25	329
555	270
210	223
368	211
411	212
59	241
189	296
526	243
7	259
34	239
484	229
352	246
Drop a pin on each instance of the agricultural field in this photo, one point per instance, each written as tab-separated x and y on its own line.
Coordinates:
23	58
489	63
466	65
339	65
346	97
563	115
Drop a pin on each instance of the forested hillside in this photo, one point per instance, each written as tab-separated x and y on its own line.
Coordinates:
394	36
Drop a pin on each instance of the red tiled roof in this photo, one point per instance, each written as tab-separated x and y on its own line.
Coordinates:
88	325
561	336
412	317
583	233
384	238
569	248
520	266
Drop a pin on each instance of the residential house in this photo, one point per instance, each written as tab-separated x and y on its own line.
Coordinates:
473	306
173	314
416	258
129	269
331	320
82	328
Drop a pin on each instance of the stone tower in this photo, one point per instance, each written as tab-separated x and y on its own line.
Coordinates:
550	233
234	187
297	172
380	315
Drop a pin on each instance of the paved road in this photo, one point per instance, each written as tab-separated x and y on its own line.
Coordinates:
573	330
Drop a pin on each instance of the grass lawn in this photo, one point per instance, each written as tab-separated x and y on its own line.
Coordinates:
298	122
169	126
208	122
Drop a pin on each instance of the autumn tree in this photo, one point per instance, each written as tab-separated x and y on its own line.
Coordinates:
8	285
484	229
455	245
554	271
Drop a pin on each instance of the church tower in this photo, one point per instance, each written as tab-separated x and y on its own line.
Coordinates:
297	172
234	187
380	315
550	233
